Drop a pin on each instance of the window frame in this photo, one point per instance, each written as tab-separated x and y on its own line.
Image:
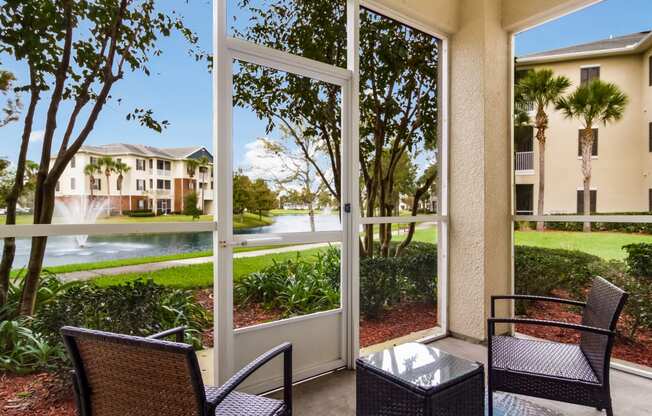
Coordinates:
588	69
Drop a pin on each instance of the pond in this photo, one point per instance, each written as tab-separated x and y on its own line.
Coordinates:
65	250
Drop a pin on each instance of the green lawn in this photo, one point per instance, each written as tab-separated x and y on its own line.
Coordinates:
201	275
602	244
248	220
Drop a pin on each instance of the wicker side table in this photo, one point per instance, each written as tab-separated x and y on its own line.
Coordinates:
417	380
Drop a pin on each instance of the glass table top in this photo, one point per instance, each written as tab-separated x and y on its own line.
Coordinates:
420	365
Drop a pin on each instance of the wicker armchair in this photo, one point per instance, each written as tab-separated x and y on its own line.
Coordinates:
570	373
120	375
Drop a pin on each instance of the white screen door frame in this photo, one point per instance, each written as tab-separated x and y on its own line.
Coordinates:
322	341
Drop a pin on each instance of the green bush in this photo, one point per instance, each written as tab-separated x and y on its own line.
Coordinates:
190	202
630	228
140	214
135	308
385	281
49	288
538	271
639	259
23	351
294	287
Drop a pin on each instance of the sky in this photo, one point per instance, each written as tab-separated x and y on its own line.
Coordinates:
179	89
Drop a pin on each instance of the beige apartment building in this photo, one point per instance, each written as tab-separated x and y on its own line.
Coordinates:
622	156
158	178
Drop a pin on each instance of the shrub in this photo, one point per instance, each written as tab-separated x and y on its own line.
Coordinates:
23	351
639	260
294	287
135	308
49	288
190	202
538	271
141	214
385	281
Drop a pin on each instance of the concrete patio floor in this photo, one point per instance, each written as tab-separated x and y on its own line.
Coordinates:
334	394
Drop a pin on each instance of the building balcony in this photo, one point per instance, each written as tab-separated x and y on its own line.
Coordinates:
524	163
165	173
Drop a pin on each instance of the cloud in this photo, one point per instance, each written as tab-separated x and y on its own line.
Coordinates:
260	164
36	136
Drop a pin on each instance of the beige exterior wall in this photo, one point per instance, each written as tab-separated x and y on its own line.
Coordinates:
621	171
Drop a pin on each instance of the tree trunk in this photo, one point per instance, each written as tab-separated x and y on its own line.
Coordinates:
311	213
9	248
108	196
37	253
541	123
587	146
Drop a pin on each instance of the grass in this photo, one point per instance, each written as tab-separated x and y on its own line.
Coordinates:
201	275
249	220
607	245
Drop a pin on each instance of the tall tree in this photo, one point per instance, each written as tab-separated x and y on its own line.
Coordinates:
241	193
76	51
540	88
121	169
107	166
399	72
593	103
90	170
262	199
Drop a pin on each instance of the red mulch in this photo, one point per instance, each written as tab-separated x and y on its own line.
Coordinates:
35	395
638	351
402	319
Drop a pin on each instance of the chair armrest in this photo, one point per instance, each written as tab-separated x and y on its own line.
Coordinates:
600	331
178	332
531	297
240	376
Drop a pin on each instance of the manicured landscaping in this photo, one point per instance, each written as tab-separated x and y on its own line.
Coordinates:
607	245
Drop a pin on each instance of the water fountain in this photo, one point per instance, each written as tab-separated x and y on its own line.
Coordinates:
79	211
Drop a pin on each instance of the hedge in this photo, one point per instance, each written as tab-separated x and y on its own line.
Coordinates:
630	228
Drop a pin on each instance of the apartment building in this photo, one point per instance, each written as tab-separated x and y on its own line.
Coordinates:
158	178
622	155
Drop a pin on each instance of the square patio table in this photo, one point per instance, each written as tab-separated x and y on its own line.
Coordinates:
418	380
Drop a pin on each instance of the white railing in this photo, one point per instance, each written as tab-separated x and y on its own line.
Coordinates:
524	161
162	172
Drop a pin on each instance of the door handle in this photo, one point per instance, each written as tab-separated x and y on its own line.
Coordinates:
251	241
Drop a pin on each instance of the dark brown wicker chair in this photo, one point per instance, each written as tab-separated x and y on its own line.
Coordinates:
570	373
120	375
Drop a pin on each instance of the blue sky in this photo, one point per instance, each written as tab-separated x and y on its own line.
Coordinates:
179	89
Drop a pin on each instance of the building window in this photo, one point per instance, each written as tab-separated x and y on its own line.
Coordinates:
650	200
151	184
118	186
93	160
72	162
650	135
163	165
163	184
589	74
141	204
72	184
649	67
580	201
57	187
140	164
151	164
191	185
140	184
594	149
97	185
524	199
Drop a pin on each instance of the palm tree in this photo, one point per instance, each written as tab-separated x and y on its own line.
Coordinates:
121	169
90	170
541	88
593	103
191	168
107	164
203	163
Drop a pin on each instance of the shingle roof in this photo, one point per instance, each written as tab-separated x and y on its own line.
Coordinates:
140	150
618	42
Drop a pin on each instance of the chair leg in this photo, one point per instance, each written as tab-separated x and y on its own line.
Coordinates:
490	402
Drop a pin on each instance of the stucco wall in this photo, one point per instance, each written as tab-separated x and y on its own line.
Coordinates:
621	171
479	164
521	14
